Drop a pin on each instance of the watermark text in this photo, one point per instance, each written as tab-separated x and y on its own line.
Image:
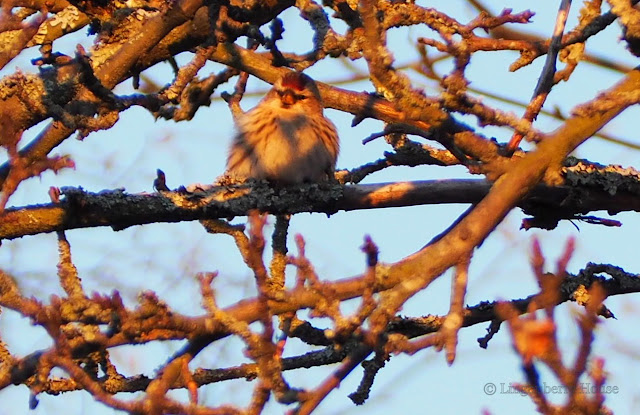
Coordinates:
548	389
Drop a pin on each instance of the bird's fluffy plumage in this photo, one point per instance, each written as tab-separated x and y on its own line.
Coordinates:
286	137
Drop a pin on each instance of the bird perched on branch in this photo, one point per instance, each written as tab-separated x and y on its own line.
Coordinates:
286	138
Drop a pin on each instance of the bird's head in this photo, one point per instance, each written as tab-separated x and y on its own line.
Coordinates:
296	89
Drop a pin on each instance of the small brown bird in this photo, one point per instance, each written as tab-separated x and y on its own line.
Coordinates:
286	138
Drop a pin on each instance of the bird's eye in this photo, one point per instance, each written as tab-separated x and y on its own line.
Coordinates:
300	97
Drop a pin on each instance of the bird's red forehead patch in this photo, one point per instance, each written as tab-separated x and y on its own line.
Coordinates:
295	80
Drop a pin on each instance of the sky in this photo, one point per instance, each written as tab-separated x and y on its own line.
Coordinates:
167	256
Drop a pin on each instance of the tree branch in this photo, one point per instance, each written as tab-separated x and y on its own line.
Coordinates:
618	282
586	190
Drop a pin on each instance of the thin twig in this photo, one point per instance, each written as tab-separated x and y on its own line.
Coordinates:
546	79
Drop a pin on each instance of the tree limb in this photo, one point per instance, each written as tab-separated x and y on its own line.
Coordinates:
585	192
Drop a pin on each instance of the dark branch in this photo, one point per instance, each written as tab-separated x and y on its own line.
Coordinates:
119	210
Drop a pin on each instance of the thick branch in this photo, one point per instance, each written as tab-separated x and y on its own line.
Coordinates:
119	210
417	271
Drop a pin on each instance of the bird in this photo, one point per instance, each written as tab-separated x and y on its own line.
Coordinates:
286	138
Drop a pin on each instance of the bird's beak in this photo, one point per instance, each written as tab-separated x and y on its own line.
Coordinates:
288	97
